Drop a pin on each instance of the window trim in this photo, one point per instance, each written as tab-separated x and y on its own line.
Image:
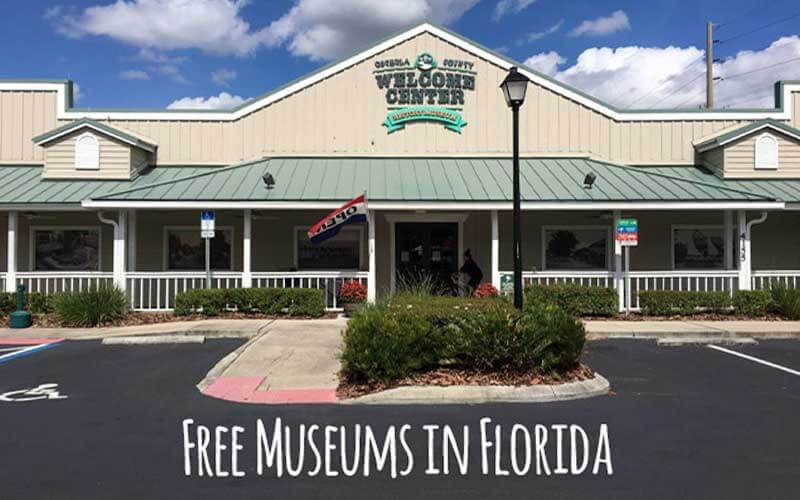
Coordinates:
96	164
165	247
673	227
569	227
304	229
32	245
766	166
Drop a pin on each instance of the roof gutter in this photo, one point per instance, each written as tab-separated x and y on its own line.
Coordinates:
440	205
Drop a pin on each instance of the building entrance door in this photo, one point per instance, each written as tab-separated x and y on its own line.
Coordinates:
426	251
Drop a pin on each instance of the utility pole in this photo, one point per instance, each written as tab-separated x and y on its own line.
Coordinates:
709	65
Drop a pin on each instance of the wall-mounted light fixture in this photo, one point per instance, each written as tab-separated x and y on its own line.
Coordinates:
269	181
588	181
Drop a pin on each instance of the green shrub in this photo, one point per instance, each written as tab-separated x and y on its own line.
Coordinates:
786	302
752	303
396	339
575	299
380	344
212	301
672	302
37	303
90	307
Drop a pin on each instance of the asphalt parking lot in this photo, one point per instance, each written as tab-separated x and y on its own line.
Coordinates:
684	422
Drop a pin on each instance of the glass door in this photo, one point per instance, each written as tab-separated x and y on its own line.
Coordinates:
426	251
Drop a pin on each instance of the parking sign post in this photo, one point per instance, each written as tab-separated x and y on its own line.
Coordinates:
207	220
627	235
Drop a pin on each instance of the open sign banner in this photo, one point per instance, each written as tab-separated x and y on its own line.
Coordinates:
353	211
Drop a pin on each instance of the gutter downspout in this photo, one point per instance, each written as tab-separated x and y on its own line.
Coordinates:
745	250
119	246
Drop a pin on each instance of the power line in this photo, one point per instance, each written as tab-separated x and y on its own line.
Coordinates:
701	75
762	27
692	96
668	80
744	73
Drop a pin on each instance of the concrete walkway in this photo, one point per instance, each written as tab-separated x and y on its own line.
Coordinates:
696	329
288	362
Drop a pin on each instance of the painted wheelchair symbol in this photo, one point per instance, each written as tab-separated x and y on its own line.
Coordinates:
43	391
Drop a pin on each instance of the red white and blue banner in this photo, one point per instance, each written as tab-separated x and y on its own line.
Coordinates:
351	212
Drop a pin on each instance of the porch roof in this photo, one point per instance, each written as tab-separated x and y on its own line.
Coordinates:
24	185
333	179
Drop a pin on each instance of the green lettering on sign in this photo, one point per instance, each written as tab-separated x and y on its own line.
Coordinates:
396	120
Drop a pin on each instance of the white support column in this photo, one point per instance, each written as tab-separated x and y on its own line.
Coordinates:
619	280
132	240
371	284
744	252
247	272
120	237
11	269
495	251
728	218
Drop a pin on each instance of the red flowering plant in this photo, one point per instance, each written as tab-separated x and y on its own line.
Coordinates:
352	292
485	290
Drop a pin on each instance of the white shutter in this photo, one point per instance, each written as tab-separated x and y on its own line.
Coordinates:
87	152
766	152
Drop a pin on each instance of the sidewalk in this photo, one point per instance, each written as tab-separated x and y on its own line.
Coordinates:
597	330
289	361
207	328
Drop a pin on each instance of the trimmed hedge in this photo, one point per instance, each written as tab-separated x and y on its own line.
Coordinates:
674	302
396	339
36	303
752	303
90	307
290	301
575	299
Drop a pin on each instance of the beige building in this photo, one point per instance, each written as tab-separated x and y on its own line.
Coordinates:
419	124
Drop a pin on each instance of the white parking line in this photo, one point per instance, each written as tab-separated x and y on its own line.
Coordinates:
756	360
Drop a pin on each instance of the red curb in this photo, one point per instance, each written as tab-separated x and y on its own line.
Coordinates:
245	390
28	341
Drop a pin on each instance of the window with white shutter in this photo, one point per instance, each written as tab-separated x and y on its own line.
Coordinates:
87	152
766	152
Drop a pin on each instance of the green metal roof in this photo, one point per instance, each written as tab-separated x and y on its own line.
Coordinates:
786	190
726	137
23	185
102	127
431	179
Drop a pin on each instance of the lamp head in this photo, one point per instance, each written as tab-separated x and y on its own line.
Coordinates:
588	181
514	87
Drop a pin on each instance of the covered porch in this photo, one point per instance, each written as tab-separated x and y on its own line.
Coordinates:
697	232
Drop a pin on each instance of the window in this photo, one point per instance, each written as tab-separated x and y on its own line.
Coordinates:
340	252
576	247
698	247
766	152
186	250
66	249
87	152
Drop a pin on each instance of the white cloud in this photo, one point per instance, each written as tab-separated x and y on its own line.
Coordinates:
134	74
546	62
538	35
223	77
617	21
669	77
506	7
323	30
223	101
213	26
171	71
318	29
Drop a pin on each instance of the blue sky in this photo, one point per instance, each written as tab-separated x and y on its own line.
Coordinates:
152	53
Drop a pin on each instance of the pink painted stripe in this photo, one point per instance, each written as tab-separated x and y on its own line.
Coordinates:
28	341
245	390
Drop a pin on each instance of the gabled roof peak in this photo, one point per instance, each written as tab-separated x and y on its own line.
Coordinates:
737	132
115	132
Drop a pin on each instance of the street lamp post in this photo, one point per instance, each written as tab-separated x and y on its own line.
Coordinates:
514	87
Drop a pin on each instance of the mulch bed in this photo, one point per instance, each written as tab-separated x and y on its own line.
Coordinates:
149	318
462	376
688	317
